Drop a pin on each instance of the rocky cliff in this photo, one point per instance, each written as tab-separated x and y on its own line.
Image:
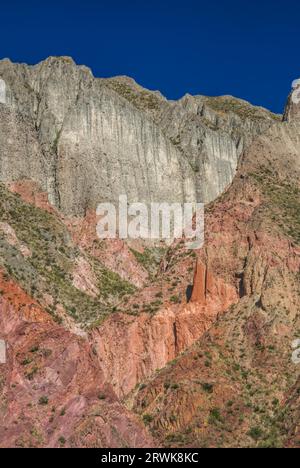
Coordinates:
88	140
117	344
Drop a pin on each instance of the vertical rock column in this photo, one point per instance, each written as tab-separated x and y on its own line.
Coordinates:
199	285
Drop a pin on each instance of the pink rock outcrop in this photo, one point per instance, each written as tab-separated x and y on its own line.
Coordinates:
54	389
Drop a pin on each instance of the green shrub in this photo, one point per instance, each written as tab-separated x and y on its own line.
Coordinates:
147	418
207	387
44	400
255	433
215	416
62	440
174	386
26	361
175	299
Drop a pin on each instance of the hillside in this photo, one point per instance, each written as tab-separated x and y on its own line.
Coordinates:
121	343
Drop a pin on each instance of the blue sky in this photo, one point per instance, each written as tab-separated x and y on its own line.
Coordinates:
249	49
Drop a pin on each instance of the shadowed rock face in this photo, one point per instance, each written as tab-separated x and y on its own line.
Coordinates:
88	140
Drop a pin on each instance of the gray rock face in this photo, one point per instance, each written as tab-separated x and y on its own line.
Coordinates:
212	133
20	152
87	140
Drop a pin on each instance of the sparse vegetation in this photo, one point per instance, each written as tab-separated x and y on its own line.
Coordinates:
49	269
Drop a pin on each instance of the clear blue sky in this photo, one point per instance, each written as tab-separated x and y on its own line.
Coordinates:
250	49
